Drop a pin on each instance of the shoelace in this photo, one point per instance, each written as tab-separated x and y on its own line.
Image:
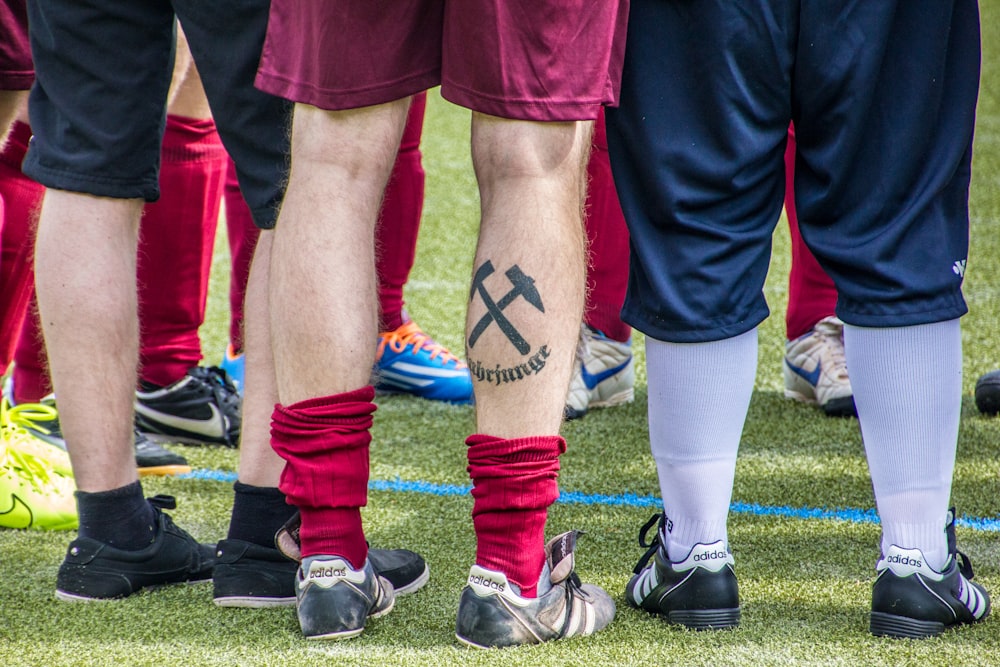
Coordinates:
652	545
411	334
26	416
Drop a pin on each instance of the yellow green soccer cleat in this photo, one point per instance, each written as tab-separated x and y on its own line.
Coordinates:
32	493
24	428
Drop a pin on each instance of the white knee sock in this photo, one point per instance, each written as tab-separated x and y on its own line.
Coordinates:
698	399
907	385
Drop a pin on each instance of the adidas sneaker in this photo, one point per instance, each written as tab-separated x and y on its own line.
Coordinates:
603	376
911	600
334	601
492	613
699	592
409	361
202	408
815	369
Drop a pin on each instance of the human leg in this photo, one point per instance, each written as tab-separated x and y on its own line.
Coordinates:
814	367
901	296
604	372
86	247
407	360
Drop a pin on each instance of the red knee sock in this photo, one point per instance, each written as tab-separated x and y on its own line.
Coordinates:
324	442
243	235
811	292
176	241
607	235
31	375
399	221
513	484
20	198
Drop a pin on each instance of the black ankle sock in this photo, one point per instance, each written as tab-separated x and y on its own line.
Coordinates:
121	517
258	513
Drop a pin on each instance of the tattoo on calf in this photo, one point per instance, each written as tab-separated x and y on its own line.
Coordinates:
522	286
504	375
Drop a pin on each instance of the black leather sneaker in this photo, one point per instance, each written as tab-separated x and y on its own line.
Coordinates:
93	570
699	592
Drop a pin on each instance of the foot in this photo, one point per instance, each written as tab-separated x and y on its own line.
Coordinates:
911	600
699	592
202	408
250	575
409	361
334	601
815	369
93	570
604	374
492	613
36	480
41	420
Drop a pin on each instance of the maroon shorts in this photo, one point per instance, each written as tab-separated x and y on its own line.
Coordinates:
16	70
545	60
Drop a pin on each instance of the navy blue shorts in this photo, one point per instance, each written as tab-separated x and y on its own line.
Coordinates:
882	95
102	70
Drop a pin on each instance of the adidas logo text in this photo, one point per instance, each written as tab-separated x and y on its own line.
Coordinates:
486	582
905	560
710	555
322	573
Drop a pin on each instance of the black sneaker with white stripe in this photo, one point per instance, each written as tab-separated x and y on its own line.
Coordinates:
202	408
699	592
492	613
910	600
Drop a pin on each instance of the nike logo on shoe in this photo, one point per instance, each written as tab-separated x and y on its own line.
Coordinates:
592	380
812	377
213	427
18	516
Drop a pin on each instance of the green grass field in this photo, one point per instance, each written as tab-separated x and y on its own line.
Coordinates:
805	582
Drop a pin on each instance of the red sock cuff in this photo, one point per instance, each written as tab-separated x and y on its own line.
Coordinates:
514	482
325	444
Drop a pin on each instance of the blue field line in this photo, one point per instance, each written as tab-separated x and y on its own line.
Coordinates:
845	514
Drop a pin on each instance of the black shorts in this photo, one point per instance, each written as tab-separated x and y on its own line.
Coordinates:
98	106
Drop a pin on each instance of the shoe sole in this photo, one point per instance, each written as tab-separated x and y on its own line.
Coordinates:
348	634
164	471
835	407
416	584
249	602
902	627
706	619
66	596
160	438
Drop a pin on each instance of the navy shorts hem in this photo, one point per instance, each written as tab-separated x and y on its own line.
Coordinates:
681	332
58	179
867	318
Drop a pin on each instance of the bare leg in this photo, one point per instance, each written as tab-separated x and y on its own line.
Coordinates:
259	464
532	180
12	103
322	294
85	261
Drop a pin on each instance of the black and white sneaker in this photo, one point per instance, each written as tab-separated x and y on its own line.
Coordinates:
93	570
699	592
492	613
334	601
202	408
150	458
910	600
249	575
